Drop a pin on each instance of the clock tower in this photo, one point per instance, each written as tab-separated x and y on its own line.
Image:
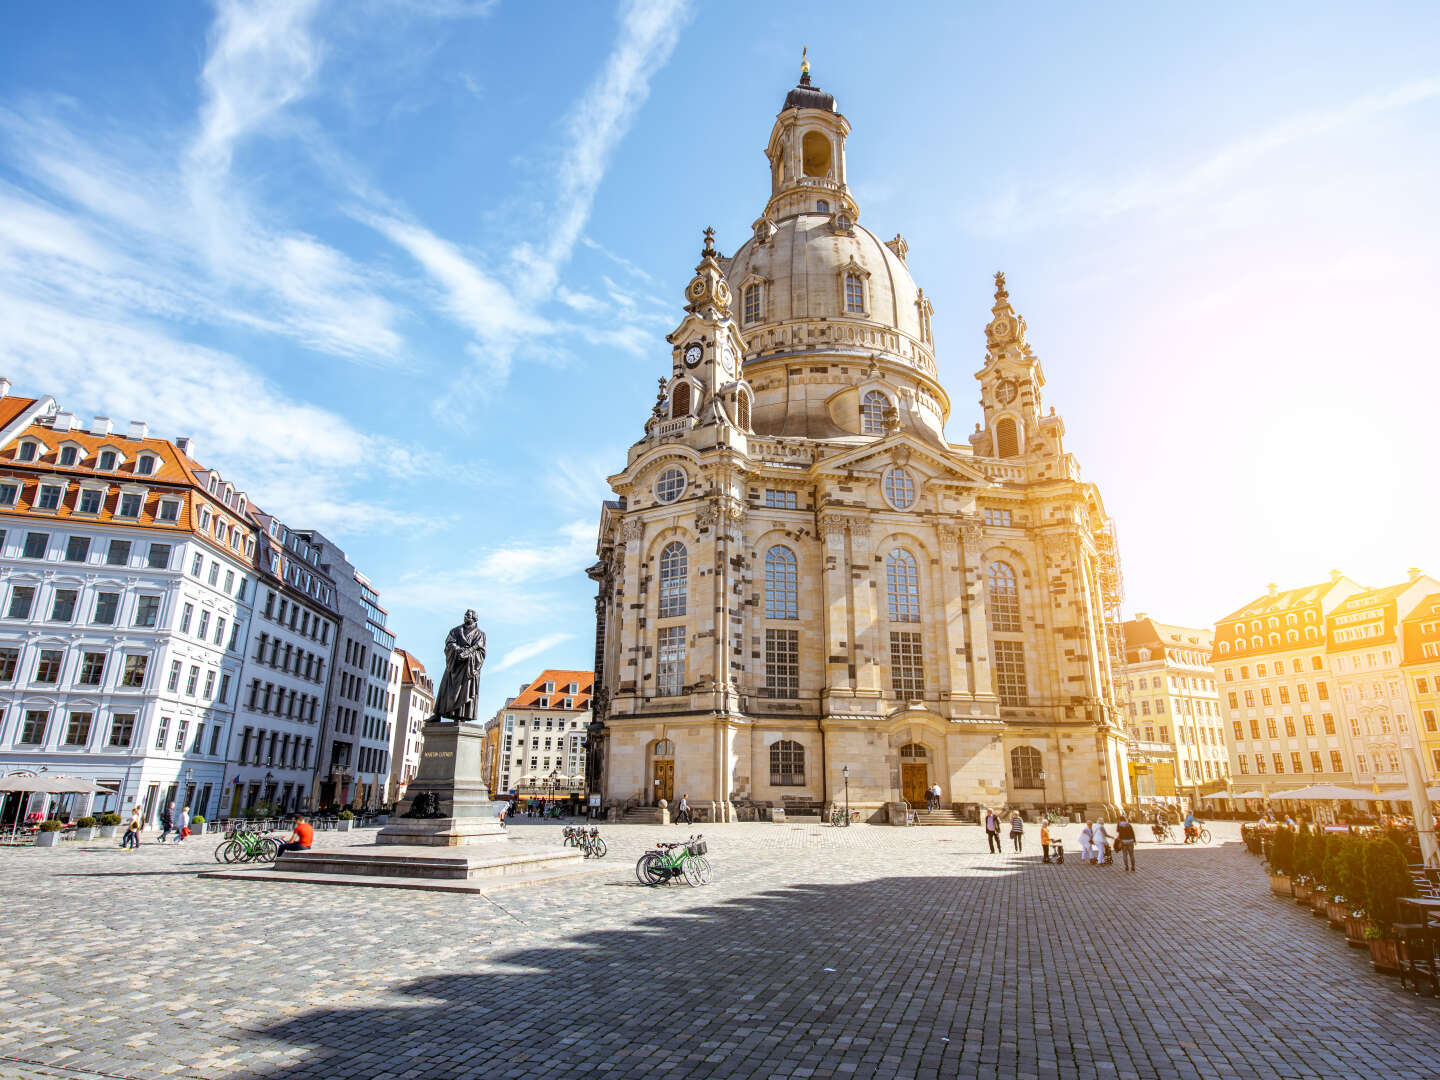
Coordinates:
1010	384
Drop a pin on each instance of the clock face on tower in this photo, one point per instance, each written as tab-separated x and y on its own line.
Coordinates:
723	355
1005	390
693	353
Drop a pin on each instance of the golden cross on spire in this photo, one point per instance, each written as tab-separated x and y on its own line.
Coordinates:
1000	293
804	60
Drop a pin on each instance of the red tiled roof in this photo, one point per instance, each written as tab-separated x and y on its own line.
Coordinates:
529	698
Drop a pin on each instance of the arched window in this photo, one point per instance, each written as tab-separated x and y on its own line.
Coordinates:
1004	598
680	401
670	485
899	488
902	586
673	572
664	748
742	410
854	294
815	154
1291	635
1025	766
781	584
1224	647
752	303
914	750
1007	442
872	413
787	763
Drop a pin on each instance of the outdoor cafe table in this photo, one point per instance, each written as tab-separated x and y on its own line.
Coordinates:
1429	910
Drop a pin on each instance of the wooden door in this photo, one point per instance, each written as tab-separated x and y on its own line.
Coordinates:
913	782
665	780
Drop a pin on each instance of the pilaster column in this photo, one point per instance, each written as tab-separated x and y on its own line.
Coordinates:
973	579
838	621
869	645
954	629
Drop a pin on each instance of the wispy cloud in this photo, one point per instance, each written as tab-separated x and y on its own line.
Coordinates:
521	653
1012	210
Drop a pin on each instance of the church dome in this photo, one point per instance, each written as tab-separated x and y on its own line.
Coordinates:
801	274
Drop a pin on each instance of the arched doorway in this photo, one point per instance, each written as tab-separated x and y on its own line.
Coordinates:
914	773
662	772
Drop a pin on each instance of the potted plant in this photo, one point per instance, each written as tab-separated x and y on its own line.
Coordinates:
1387	879
1300	860
85	828
1319	884
49	834
197	825
1352	885
109	825
346	821
1335	907
1282	862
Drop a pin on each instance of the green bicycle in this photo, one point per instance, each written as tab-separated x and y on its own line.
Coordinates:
666	862
247	847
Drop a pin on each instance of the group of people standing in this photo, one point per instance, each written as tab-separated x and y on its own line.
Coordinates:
170	821
1094	839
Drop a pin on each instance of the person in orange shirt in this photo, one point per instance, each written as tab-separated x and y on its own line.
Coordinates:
301	838
1045	839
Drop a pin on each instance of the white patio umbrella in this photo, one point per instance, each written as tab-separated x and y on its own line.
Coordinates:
50	784
1328	791
1420	807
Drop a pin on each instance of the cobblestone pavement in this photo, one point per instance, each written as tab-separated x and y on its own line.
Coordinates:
818	952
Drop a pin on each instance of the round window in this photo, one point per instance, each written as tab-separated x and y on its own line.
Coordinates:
899	488
670	486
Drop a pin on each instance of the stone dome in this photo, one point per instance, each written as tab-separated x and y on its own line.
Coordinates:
801	270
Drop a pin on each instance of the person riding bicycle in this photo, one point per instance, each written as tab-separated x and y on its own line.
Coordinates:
1191	830
300	839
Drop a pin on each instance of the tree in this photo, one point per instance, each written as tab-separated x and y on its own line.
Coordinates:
1387	879
1351	863
1282	854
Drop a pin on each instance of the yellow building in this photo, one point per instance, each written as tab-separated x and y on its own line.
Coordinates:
1177	740
1421	667
804	586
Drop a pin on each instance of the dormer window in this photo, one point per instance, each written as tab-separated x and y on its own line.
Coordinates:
106	461
131	503
752	303
69	455
91	500
854	294
145	464
28	450
204	518
872	413
169	511
214	483
844	223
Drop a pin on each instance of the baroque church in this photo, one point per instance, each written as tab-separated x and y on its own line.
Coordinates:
807	595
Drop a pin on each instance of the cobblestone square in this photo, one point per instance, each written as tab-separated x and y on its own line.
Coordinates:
818	952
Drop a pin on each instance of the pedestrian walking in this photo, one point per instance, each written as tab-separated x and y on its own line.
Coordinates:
1125	841
1044	840
131	839
683	811
1017	830
992	830
1087	849
1101	843
167	821
184	824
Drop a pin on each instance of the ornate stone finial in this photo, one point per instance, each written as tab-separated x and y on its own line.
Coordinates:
709	248
1000	293
804	65
890	417
1006	328
898	246
659	411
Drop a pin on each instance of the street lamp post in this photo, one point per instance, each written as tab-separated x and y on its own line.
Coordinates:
845	772
554	781
1044	798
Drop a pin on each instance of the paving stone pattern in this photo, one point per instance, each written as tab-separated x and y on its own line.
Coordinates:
818	952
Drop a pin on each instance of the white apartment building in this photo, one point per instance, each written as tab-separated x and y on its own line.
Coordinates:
414	704
126	577
275	746
541	736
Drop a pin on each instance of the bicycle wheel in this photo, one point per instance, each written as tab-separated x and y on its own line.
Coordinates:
598	845
220	850
234	851
1205	835
707	875
690	867
648	869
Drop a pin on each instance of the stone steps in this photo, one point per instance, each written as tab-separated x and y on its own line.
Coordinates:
450	885
943	817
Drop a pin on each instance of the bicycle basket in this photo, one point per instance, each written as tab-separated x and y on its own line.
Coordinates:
697	848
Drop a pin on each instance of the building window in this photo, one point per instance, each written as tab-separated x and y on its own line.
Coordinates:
854	294
1244	765
77	549
742	410
782	590
997	517
32	731
782	664
62	606
872	413
118	554
27	451
787	763
1003	596
899	488
147	611
673	578
907	665
92	669
130	505
1279	760
9	492
1007	441
670	669
752	303
1025	767
47	667
35	545
134	674
1010	681
902	586
9	658
77	730
158	557
680	400
48	497
781	500
670	485
21	599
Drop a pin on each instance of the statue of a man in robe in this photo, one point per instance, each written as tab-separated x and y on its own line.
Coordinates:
460	685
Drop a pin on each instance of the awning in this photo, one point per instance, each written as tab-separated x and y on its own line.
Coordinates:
51	784
1325	791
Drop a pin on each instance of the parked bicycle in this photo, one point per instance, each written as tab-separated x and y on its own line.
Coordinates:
574	836
247	846
1197	833
666	862
592	843
838	816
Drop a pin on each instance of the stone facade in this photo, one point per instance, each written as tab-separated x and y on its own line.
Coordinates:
802	581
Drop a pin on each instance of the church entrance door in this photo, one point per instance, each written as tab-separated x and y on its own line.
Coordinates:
664	780
913	782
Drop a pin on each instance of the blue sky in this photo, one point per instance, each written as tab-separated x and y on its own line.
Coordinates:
404	269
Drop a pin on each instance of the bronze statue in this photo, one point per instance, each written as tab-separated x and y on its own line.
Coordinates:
460	685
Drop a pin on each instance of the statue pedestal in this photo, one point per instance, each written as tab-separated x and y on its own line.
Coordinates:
451	772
